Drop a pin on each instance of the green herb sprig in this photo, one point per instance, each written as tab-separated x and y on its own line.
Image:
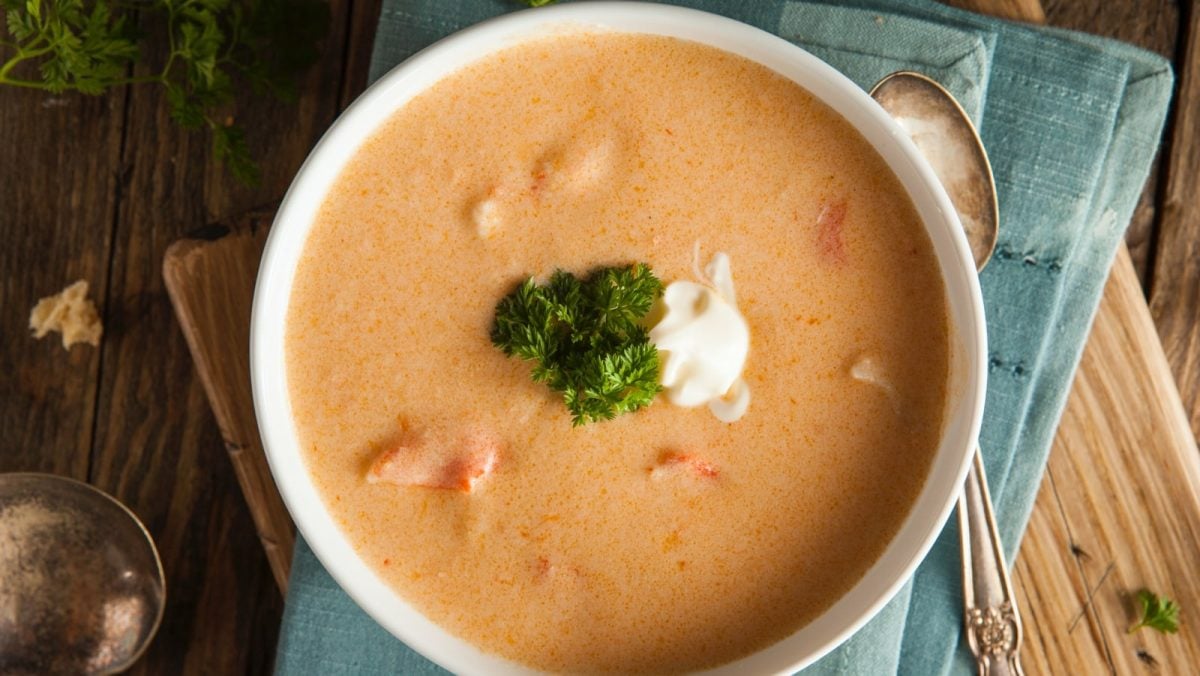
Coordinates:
1159	613
91	46
585	338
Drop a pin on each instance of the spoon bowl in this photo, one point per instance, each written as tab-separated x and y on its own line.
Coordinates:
943	132
81	585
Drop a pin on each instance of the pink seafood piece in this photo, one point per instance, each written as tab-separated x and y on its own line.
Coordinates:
673	462
829	231
424	460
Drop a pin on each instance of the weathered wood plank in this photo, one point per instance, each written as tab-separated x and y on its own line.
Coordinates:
1048	586
56	222
156	446
364	16
1150	24
1175	294
1016	10
1153	25
1131	518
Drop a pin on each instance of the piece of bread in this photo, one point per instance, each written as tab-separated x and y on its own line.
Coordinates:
70	313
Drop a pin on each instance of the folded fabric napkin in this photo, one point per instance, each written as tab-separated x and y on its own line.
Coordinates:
1071	123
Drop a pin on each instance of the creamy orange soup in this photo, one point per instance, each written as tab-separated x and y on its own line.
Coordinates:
585	549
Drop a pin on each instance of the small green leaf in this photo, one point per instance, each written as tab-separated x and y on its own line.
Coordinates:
276	40
54	74
17	26
188	32
183	110
584	338
88	46
1158	613
229	147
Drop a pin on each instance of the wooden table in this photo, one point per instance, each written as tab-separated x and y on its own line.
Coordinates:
97	188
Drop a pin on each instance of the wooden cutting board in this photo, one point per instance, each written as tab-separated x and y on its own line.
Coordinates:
210	279
1119	508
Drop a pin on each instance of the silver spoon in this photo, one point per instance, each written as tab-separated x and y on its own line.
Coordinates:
81	584
946	137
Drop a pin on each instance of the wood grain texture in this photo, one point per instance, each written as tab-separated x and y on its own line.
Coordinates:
1175	294
1150	24
156	447
364	16
56	222
1119	509
211	284
1016	10
1153	25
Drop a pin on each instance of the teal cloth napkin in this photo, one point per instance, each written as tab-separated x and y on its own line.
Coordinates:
1071	123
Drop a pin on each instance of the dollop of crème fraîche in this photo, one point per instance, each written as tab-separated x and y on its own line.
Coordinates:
703	341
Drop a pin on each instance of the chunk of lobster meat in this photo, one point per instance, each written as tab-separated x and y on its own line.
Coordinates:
867	370
458	461
830	224
673	463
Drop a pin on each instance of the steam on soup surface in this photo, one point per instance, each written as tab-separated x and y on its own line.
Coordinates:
664	540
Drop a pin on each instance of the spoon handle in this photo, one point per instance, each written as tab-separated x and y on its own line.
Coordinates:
993	623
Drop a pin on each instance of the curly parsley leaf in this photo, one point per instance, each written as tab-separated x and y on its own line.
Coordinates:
90	46
230	149
585	338
1159	613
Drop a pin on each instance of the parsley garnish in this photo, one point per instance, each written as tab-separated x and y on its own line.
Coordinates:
90	46
1157	613
585	338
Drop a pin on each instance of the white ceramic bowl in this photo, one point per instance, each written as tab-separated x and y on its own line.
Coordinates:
392	91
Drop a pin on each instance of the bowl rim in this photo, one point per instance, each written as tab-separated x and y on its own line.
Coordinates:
390	92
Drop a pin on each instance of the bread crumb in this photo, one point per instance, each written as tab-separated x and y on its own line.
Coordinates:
70	313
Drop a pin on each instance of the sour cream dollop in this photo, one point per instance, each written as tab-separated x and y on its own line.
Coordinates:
703	341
